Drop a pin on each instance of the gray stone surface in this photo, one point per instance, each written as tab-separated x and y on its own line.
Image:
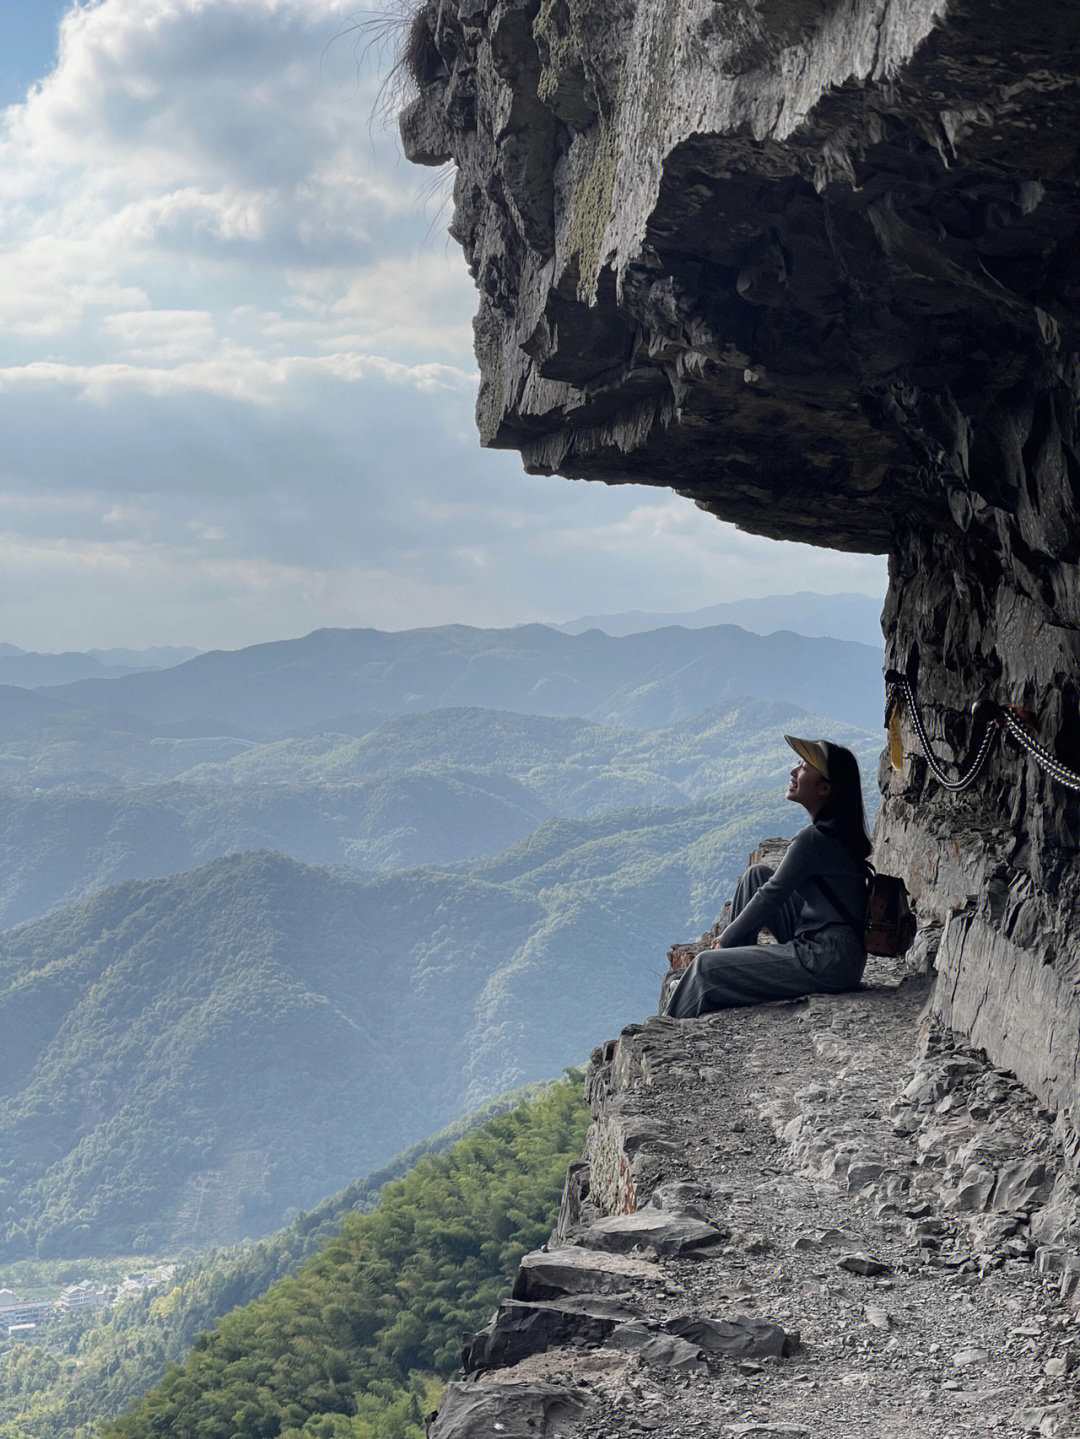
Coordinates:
651	1229
967	1324
516	1411
859	1263
548	1274
743	1337
520	1328
764	1430
653	1346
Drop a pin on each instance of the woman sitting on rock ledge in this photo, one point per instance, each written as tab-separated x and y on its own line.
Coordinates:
810	904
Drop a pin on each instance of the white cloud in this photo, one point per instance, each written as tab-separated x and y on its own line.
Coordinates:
167	90
422	300
163	336
237	378
234	375
265	600
668	541
217	147
35	508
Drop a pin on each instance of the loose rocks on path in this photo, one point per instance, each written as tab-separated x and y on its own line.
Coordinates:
789	1224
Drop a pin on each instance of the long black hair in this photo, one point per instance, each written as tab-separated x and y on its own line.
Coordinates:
843	814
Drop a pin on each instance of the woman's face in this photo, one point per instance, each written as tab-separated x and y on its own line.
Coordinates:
808	787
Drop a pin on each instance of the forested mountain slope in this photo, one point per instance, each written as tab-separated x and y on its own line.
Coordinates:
356	1336
95	1368
575	766
58	847
188	1058
428	789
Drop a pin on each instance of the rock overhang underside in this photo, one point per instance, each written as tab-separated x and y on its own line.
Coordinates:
762	254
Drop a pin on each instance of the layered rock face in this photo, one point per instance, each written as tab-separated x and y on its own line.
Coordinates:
814	266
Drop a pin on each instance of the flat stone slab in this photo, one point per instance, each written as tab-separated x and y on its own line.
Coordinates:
741	1337
859	1263
550	1274
512	1411
683	1199
593	1306
520	1328
667	1234
766	1431
824	1239
653	1346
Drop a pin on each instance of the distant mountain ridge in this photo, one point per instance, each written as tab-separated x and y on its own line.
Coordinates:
31	670
850	616
219	1037
328	678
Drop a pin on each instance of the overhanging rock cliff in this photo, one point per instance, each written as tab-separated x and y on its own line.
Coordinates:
814	265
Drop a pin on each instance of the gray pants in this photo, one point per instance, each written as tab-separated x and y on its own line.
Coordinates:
753	973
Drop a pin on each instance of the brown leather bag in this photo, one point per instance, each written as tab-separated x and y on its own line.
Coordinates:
888	925
890	920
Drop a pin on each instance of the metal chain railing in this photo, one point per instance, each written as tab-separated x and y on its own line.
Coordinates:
1040	754
967	779
994	717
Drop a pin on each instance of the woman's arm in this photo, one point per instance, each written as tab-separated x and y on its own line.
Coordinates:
797	866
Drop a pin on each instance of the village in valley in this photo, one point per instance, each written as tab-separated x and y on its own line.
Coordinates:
21	1317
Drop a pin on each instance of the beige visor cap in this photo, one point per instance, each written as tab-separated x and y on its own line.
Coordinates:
813	751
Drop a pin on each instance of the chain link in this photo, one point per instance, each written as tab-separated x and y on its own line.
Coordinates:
1040	754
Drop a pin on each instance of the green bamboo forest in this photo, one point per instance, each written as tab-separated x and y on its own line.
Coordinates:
355	1343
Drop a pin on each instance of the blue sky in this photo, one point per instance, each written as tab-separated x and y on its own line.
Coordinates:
236	378
29	48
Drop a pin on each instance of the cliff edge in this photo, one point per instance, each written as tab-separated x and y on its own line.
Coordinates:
783	1227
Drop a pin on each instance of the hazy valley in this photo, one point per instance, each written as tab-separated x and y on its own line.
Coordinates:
275	915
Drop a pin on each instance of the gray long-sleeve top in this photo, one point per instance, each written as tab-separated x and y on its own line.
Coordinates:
813	851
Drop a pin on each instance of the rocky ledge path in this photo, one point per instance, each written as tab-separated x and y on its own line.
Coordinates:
800	1221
